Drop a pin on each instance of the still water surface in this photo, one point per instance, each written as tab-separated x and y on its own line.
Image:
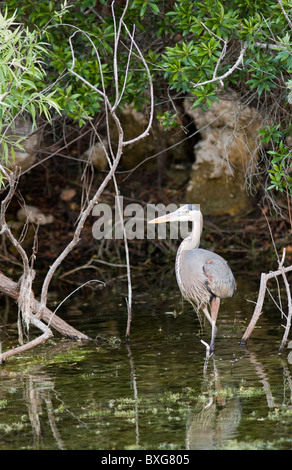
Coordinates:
152	392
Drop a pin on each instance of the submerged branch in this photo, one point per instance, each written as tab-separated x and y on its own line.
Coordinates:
47	333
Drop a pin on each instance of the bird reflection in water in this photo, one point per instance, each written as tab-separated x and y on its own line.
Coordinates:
215	419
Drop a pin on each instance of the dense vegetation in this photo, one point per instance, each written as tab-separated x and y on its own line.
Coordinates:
198	48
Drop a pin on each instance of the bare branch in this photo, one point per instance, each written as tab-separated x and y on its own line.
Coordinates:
31	344
11	289
115	58
151	114
289	314
223	52
260	301
25	293
226	74
285	13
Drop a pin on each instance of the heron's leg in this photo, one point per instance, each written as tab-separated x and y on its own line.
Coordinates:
215	304
209	318
207	314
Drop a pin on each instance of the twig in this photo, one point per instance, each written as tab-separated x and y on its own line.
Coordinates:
223	52
151	91
285	13
289	209
226	74
117	34
273	241
88	265
129	299
71	293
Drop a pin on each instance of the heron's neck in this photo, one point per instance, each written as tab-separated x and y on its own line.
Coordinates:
193	240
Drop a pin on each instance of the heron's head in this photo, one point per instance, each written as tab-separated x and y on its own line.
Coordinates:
188	212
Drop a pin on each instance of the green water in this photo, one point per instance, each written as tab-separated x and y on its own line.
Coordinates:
152	392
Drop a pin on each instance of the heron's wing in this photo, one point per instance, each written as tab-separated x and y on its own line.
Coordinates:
220	278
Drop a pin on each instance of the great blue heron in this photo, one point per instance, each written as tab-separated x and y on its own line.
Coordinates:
203	277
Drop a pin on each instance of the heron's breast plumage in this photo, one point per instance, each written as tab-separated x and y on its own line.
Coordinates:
202	274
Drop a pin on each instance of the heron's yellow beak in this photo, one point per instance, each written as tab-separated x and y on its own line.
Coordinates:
159	220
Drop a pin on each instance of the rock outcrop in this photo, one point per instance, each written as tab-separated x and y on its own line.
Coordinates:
24	157
228	146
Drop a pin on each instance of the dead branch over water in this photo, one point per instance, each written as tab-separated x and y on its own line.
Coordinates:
281	271
12	289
